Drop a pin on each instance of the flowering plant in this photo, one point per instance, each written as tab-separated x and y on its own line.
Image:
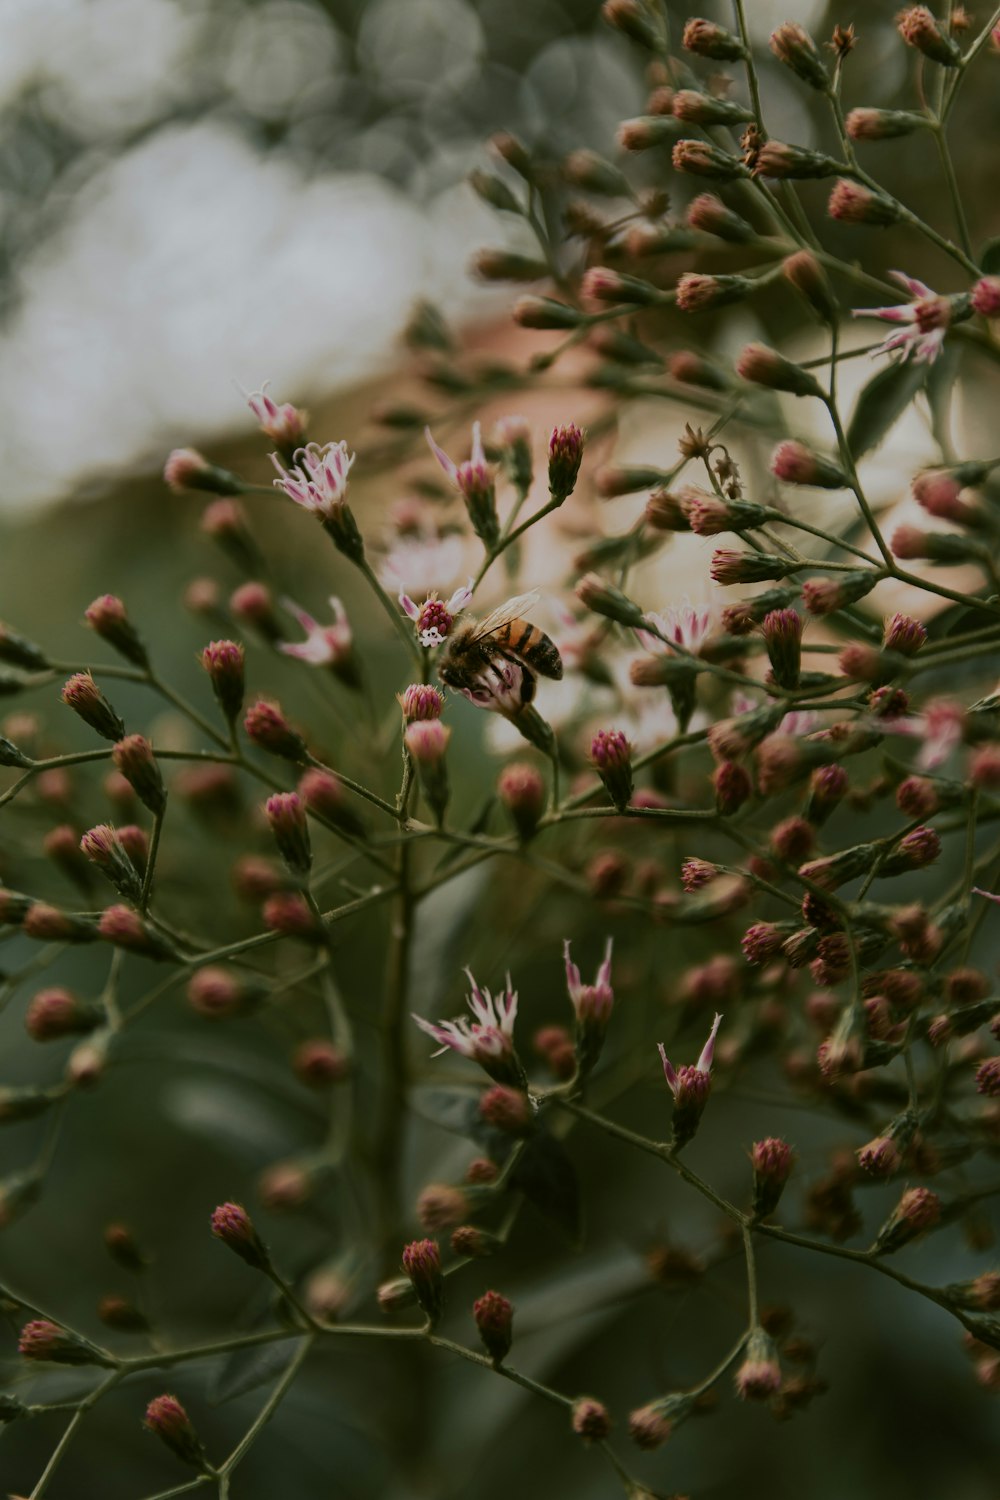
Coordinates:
794	784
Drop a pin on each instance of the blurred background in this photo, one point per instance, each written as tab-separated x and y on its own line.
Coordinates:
199	195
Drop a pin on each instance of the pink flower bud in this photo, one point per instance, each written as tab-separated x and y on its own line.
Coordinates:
759	1376
126	929
234	1227
266	725
988	1078
57	1012
166	1417
986	296
420	701
772	1160
187	469
494	1317
134	758
84	697
794	463
522	791
320	1064
852	203
44	1340
286	816
217	993
793	46
565	456
919	29
291	915
440	1206
710	40
224	663
108	619
422	1264
590	1419
253	605
699	293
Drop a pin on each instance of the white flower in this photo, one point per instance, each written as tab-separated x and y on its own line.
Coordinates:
688	627
488	1035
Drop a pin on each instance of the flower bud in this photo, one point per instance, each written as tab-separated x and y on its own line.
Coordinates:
48	924
766	367
590	1418
772	1161
710	215
793	46
852	203
224	663
266	725
126	929
632	18
912	544
253	605
420	701
439	1206
426	741
882	124
794	463
217	993
108	619
903	635
919	29
986	297
546	312
422	1264
120	1313
729	567
85	698
565	457
522	792
807	276
166	1417
709	40
286	817
104	848
603	598
494	1317
233	1226
44	1340
504	265
697	108
602	284
702	159
915	851
779	159
650	1426
187	469
759	1376
732	786
782	632
988	1078
823	596
20	652
610	755
586	169
320	1064
471	1242
56	1012
917	1211
134	759
646	131
614	480
327	798
290	914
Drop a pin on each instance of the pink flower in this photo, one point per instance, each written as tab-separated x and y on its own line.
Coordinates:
674	1076
590	1001
434	619
940	727
324	645
927	317
422	561
475	467
283	424
317	480
488	1038
681	623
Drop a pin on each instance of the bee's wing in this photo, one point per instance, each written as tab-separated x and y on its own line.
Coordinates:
514	609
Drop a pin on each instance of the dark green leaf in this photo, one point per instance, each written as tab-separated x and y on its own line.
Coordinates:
941	379
547	1177
455	1109
245	1369
881	403
989	260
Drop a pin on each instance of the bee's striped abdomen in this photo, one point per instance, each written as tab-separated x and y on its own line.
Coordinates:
532	646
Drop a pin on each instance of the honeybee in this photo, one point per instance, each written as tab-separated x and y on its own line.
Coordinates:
493	661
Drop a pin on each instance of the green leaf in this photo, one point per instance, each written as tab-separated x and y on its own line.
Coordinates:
989	259
882	402
455	1110
941	379
547	1177
246	1369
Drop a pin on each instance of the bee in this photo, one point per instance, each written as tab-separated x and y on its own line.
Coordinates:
493	661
